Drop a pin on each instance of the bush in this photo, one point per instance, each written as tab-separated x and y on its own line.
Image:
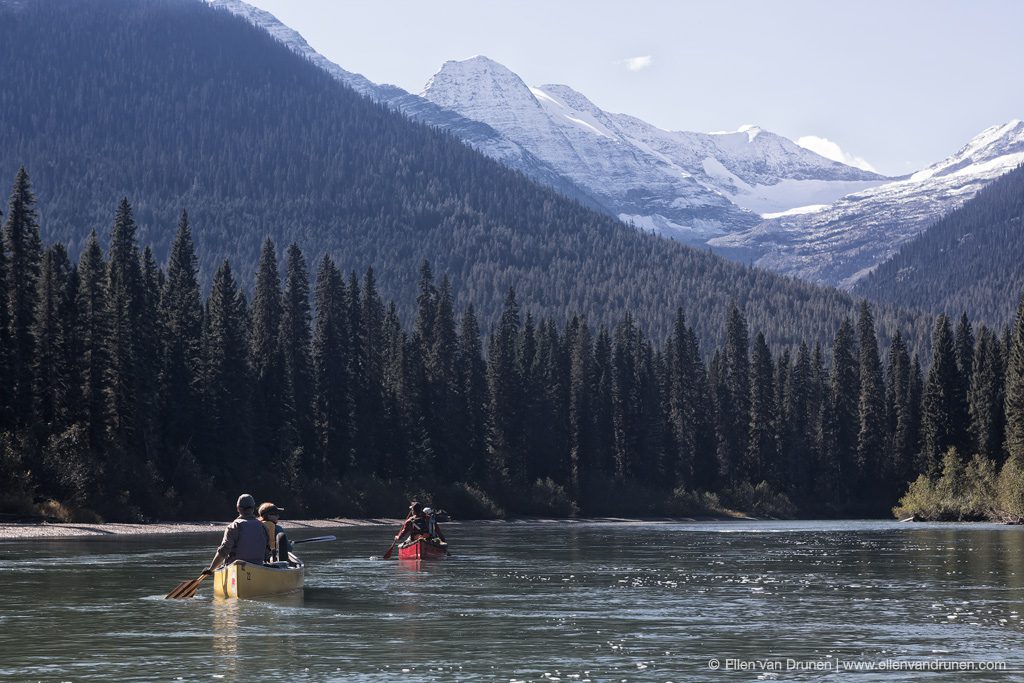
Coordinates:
761	501
960	493
1010	490
686	503
467	501
547	498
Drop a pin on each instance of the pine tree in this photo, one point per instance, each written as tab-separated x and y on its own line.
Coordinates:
124	346
473	379
986	400
580	402
266	358
844	392
944	409
228	387
761	452
900	414
94	325
332	400
368	378
734	406
54	332
181	372
24	255
298	373
1015	390
682	409
506	384
871	460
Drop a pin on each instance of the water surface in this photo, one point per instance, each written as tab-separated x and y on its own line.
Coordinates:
533	602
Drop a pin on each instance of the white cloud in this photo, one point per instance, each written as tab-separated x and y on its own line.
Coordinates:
831	150
637	63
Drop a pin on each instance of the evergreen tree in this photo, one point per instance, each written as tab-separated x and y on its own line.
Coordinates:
761	452
844	392
1015	390
228	387
944	410
95	323
871	439
24	255
181	372
367	376
332	402
124	347
54	333
580	399
266	358
734	406
298	373
506	384
472	371
986	399
900	415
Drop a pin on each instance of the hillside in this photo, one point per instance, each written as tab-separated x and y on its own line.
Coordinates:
175	104
968	261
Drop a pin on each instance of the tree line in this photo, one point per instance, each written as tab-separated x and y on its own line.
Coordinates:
129	394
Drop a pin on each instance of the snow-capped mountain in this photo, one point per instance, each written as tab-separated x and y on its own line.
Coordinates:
841	243
477	134
688	185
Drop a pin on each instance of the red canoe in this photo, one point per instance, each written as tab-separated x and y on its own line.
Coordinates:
422	549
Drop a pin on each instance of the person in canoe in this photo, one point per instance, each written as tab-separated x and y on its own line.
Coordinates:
245	538
415	525
270	515
433	528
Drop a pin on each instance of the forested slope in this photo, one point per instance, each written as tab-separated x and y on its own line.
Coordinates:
176	105
971	260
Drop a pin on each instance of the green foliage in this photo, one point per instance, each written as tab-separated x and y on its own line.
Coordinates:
960	493
760	500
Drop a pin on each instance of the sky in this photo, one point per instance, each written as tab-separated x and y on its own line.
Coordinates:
894	86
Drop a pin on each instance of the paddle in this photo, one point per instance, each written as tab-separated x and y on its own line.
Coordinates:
185	589
387	555
316	539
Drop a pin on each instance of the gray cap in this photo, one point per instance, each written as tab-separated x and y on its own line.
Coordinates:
245	502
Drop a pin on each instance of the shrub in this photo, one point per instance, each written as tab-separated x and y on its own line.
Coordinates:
761	501
960	493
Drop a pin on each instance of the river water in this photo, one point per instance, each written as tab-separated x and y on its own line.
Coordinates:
536	601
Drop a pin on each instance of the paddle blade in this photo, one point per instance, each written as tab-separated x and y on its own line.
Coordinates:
185	589
387	555
317	539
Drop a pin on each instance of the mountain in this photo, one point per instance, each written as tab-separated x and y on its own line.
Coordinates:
968	261
842	243
179	105
689	186
476	134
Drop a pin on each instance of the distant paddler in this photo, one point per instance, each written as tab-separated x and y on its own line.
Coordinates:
270	516
245	538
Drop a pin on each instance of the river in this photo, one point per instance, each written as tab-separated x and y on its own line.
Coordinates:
536	601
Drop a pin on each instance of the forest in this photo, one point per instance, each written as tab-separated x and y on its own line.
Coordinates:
176	105
130	394
968	260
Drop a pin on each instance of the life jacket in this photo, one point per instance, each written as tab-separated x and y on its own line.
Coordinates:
431	526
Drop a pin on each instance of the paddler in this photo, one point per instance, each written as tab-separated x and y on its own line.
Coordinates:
415	524
245	538
270	515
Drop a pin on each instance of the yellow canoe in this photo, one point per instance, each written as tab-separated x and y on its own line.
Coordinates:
246	580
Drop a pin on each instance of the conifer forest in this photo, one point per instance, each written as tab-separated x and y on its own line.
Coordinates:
130	391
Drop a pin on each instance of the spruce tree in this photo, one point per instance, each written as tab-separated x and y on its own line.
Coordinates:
986	401
761	452
844	393
944	409
332	400
472	371
181	372
734	409
266	358
1015	390
94	324
871	460
54	330
506	384
24	255
298	373
228	390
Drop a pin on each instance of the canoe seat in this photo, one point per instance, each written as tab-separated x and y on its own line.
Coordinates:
277	565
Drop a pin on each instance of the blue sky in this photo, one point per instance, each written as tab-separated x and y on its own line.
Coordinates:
898	84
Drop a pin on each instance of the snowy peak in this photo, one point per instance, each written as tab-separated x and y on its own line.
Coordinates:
477	82
992	145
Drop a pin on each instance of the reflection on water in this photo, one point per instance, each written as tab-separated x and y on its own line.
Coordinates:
530	601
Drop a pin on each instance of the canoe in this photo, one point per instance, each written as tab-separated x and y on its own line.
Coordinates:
246	580
422	549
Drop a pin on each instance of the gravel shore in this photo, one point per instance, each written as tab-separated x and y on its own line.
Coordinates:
45	530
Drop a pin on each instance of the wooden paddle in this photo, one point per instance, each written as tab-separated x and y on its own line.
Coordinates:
316	539
186	589
387	555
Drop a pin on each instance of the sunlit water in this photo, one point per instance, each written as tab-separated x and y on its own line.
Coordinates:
533	601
